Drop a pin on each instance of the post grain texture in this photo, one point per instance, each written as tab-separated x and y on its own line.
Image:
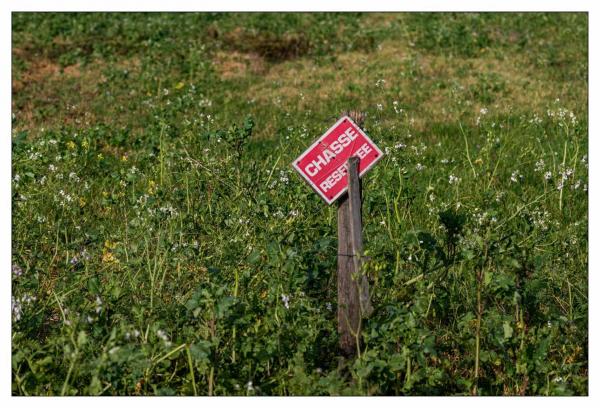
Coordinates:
348	308
356	239
353	288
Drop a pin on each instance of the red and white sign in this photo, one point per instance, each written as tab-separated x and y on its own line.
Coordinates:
324	163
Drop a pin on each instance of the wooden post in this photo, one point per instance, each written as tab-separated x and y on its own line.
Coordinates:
348	312
355	198
353	287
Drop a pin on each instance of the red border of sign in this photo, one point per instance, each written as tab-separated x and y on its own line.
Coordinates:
323	196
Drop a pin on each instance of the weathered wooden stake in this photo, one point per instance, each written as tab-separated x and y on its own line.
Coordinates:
353	287
355	198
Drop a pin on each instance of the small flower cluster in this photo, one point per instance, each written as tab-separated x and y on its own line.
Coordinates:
540	219
482	112
133	334
419	150
484	218
64	199
163	336
205	103
99	304
107	255
562	115
176	246
535	119
397	109
74	177
17	270
83	255
516	176
452	179
283	177
169	211
18	304
539	165
564	176
286	301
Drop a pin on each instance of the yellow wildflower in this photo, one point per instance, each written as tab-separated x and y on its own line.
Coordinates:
151	187
108	257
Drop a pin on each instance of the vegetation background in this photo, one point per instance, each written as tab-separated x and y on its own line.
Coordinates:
162	244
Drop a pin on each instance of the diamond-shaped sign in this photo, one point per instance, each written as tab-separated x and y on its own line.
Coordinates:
324	164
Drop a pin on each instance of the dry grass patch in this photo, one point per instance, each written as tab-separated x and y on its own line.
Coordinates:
46	94
440	88
236	65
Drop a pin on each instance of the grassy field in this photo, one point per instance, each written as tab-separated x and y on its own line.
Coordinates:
163	245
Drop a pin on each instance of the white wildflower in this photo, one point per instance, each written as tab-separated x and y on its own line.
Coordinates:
286	301
539	165
17	270
18	304
283	177
98	305
163	336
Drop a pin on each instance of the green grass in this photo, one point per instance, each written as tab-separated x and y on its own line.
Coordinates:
158	225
